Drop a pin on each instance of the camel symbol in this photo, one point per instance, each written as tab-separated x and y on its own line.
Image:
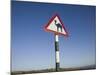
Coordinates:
58	26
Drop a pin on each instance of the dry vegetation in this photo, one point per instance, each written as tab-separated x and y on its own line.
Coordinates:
53	70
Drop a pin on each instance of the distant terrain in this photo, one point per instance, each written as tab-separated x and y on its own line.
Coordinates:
89	67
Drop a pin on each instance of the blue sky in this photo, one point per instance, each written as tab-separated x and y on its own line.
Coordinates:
33	48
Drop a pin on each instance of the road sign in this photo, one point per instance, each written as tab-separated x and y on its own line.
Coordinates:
55	25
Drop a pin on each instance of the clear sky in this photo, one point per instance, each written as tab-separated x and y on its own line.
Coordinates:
33	48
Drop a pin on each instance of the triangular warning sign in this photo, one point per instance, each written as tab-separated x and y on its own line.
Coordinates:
55	25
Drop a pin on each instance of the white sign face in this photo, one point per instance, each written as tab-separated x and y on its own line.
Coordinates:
55	25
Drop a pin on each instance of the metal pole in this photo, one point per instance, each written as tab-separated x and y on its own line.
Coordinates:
57	52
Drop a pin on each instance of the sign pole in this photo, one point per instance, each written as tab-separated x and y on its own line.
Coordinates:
57	52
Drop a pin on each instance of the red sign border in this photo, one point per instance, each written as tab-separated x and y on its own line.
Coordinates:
58	33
